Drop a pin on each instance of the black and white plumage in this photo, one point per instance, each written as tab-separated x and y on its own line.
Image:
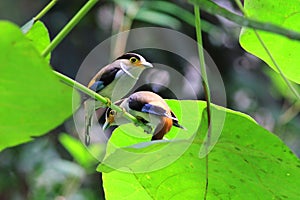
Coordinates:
114	81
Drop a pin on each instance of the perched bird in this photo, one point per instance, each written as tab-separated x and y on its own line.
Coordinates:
147	107
114	81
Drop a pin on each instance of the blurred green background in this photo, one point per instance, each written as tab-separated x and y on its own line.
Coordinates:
43	169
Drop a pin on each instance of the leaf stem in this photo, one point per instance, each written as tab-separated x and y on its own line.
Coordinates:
80	87
98	97
69	26
205	87
288	83
45	10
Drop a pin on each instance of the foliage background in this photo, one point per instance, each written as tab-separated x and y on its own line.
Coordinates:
39	167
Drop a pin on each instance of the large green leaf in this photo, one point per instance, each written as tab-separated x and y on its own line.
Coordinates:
247	162
284	50
33	101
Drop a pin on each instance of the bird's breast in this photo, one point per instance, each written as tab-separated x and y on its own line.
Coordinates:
122	85
162	128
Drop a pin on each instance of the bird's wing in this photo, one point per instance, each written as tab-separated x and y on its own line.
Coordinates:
147	104
97	86
104	78
148	108
155	110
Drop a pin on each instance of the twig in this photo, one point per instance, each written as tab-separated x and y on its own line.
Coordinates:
98	97
123	19
68	27
206	89
290	113
45	10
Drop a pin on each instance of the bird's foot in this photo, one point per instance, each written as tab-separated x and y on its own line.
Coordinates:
108	102
148	129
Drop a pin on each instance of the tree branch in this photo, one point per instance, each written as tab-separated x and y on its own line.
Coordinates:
98	97
214	9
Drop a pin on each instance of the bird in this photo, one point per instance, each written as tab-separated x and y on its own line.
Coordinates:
149	108
113	81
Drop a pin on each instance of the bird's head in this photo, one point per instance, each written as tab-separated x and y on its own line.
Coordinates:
110	116
134	60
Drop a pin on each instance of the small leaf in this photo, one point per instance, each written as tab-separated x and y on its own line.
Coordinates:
39	36
33	101
87	157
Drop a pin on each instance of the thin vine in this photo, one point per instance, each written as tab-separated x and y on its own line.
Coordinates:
206	90
45	10
69	26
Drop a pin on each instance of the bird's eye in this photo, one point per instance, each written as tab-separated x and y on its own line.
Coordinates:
133	59
112	112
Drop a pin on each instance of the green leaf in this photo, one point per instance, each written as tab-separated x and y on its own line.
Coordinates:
247	162
284	50
39	36
87	157
171	9
33	101
157	18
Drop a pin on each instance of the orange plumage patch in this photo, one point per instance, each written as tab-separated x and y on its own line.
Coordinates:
163	128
